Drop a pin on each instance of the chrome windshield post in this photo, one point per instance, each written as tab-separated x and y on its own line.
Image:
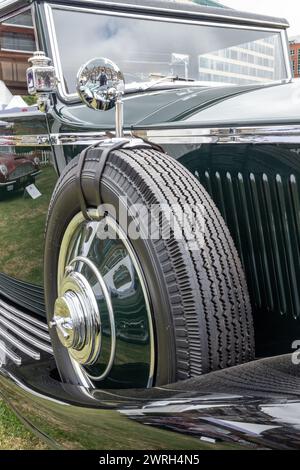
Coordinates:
119	118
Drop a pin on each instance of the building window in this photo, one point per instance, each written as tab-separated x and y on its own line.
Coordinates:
17	42
292	51
13	72
23	19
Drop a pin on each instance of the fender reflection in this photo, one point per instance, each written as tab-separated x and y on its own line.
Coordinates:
220	406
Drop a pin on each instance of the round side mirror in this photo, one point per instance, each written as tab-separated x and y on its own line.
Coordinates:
100	84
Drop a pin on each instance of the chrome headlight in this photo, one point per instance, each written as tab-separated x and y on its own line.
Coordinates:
3	170
36	161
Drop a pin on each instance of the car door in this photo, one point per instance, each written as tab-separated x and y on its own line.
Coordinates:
27	170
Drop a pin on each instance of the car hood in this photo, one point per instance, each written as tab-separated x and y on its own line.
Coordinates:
193	105
12	162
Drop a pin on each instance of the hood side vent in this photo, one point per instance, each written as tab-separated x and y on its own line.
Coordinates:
22	336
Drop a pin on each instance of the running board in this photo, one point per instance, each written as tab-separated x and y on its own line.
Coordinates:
21	335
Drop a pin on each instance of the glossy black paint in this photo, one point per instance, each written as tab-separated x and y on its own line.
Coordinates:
189	106
23	219
253	406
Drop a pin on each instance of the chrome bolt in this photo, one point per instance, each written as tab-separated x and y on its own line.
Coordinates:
59	323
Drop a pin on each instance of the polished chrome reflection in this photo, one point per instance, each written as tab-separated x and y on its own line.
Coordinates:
77	318
27	179
102	315
21	333
100	84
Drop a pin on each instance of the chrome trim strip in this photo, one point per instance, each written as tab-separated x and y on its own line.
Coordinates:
9	183
240	134
286	53
10	354
33	140
22	334
24	316
19	345
225	135
110	309
55	49
10	317
21	26
44	140
27	326
80	138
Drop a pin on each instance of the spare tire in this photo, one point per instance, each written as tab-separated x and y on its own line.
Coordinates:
137	311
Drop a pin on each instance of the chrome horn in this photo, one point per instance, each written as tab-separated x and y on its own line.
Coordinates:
100	85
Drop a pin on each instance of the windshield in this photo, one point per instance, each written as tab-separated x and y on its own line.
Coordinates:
147	49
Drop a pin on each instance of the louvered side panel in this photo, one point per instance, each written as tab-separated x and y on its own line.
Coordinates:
22	336
263	214
27	296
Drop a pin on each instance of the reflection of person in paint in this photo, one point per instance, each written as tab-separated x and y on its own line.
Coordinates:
47	81
102	77
30	80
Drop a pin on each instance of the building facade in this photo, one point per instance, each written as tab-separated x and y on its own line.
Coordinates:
17	42
295	55
253	62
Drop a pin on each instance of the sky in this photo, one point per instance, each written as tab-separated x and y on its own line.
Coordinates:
289	9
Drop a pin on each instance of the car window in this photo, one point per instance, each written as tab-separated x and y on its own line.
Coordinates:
144	48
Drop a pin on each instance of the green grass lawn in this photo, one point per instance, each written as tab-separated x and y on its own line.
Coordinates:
22	226
13	435
22	223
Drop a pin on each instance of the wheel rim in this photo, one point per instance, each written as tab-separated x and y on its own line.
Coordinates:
102	315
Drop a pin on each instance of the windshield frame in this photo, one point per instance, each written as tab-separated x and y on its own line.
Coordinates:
74	98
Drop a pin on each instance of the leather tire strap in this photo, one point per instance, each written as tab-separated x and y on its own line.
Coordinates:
150	144
101	167
81	198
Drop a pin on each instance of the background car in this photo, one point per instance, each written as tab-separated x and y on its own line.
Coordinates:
17	172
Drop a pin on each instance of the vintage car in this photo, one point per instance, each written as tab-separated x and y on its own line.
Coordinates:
17	172
182	118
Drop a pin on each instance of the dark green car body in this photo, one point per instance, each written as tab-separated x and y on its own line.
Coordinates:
241	141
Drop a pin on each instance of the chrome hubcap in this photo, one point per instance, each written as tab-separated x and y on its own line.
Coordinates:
102	296
77	318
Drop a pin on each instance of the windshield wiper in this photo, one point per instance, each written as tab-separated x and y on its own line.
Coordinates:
165	78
